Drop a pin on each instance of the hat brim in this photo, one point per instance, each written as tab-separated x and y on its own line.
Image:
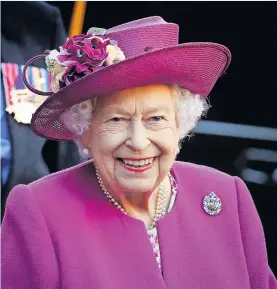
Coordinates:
194	66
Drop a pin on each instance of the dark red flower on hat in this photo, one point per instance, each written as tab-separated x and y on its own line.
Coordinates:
75	71
82	54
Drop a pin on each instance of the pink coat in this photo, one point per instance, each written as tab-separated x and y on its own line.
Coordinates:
61	232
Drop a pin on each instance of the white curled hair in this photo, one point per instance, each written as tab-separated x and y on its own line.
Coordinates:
189	109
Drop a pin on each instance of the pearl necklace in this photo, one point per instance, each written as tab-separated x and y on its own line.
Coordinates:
161	206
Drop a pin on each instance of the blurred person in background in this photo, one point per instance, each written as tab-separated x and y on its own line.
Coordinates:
27	28
132	216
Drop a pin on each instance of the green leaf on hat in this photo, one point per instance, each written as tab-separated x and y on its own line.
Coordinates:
97	31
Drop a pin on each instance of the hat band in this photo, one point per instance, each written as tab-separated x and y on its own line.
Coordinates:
29	86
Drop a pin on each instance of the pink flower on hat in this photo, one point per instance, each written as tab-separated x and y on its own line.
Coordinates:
82	54
84	50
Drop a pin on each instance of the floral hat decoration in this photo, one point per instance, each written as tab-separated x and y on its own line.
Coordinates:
137	53
80	56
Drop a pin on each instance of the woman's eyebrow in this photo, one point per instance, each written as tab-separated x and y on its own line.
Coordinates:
153	109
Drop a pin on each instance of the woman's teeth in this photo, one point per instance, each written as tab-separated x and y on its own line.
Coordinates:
139	163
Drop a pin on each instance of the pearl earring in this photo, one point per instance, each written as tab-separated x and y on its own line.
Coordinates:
85	151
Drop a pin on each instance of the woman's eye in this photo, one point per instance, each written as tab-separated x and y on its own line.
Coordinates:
156	118
116	119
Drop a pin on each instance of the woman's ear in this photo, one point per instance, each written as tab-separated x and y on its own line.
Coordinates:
86	138
85	144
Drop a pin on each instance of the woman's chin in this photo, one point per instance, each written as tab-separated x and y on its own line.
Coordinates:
144	180
136	186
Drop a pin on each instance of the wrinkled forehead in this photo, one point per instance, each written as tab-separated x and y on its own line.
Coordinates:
141	100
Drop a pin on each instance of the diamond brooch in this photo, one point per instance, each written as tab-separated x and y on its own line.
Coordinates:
212	204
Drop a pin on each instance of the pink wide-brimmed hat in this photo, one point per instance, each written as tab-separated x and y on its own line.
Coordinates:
138	53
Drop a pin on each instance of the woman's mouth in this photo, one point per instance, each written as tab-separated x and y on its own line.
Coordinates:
137	165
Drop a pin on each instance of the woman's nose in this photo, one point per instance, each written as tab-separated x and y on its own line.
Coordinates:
138	137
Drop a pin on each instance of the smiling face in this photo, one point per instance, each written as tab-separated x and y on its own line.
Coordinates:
133	138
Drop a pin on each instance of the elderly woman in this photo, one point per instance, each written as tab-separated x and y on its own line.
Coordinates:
131	216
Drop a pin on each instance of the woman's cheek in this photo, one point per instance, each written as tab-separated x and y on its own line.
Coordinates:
109	140
166	139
